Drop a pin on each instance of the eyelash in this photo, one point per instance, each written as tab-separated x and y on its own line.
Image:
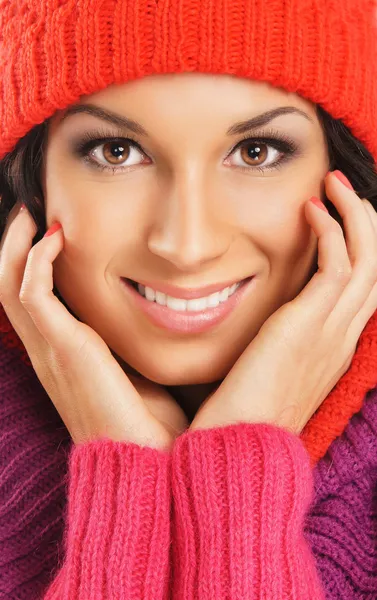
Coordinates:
278	140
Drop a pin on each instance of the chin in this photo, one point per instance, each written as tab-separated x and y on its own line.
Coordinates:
181	374
182	378
182	364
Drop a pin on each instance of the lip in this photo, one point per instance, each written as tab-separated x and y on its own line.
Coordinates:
187	322
187	293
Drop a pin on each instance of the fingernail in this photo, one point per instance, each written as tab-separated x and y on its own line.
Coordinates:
52	229
318	203
22	207
343	179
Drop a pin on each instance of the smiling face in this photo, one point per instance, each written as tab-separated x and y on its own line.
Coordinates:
186	199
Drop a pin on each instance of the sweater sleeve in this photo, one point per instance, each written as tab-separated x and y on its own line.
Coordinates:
240	496
117	537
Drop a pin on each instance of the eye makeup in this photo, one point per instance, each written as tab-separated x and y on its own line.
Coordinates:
279	140
92	139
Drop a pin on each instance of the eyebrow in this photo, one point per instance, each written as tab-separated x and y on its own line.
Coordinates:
131	125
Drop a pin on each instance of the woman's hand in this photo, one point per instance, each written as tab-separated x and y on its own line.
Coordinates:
305	347
162	405
90	390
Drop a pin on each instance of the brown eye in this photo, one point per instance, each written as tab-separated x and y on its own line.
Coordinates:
254	154
115	152
259	154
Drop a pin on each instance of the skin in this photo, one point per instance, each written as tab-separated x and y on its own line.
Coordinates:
185	211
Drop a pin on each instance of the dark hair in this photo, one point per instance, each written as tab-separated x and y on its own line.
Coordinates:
20	170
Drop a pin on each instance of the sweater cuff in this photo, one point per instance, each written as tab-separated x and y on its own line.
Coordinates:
240	495
117	537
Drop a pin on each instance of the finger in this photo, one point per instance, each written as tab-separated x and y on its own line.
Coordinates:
371	213
69	338
11	216
61	330
56	325
362	247
359	298
16	243
370	306
357	225
321	294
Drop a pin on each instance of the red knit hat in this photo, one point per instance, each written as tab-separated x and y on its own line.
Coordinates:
54	51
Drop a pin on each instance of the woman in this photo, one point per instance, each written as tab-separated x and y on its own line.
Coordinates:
200	387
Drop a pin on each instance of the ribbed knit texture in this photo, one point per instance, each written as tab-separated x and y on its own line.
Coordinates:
118	539
244	511
241	493
52	52
231	513
341	526
346	398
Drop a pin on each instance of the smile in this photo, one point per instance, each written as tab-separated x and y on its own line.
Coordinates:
182	315
180	304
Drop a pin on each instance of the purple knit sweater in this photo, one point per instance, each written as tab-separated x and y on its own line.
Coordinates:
34	448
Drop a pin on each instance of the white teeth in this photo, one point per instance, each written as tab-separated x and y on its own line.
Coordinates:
150	294
161	298
180	304
224	295
176	303
214	299
197	304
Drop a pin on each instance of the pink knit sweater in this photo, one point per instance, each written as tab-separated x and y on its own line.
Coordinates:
220	517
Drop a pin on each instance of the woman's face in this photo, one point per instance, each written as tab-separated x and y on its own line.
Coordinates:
190	204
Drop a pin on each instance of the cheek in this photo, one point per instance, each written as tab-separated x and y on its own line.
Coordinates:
290	245
101	233
277	228
277	225
99	223
93	208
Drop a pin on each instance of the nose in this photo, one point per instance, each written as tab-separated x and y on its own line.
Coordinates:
189	229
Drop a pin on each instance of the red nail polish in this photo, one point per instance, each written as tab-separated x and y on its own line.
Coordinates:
52	229
343	179
318	203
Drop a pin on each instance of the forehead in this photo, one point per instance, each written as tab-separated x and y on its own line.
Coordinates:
189	90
